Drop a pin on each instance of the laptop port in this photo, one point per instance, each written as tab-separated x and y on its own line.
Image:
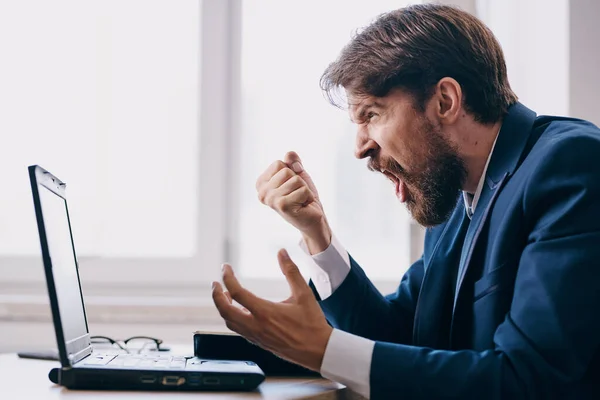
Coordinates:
194	380
148	378
211	381
173	380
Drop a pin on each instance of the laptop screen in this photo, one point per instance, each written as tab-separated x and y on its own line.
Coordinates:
64	267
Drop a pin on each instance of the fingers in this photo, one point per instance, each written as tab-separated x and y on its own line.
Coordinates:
302	196
266	188
293	161
228	296
269	191
278	173
295	182
283	183
279	198
243	296
269	173
290	159
229	312
298	285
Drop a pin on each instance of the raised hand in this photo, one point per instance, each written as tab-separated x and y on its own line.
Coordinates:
288	189
294	329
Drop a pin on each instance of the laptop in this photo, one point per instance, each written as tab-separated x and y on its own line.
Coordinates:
82	367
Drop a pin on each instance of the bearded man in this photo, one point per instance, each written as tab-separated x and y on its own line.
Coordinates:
503	303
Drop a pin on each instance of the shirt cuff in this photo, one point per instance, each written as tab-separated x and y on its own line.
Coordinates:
329	268
347	360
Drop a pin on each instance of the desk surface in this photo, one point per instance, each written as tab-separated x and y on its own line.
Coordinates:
28	379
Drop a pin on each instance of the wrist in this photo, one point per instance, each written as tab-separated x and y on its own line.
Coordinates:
318	241
316	353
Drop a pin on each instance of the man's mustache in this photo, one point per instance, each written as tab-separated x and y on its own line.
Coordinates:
377	164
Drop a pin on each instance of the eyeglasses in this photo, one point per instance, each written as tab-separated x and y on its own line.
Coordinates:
132	345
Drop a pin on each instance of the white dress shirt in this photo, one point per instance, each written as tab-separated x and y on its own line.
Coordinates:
472	200
330	268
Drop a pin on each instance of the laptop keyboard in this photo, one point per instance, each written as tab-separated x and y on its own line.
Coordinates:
150	361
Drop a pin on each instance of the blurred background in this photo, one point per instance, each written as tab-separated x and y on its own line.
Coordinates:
160	115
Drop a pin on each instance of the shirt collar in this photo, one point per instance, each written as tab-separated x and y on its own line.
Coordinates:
471	200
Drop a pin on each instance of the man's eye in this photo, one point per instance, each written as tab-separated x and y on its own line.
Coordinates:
371	115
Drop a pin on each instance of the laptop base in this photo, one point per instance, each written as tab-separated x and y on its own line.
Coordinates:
119	379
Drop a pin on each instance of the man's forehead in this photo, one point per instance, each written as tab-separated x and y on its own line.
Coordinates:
356	102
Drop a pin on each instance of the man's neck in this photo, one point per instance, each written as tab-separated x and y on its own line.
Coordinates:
475	148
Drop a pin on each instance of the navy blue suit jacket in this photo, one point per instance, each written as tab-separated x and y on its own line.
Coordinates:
506	305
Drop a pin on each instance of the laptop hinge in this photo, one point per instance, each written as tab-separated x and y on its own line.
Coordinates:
76	357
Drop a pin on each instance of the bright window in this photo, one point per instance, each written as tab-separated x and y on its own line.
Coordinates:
283	54
104	94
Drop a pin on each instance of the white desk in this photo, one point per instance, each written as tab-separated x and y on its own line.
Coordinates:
28	379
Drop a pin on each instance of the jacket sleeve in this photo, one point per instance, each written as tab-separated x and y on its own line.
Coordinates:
359	308
547	343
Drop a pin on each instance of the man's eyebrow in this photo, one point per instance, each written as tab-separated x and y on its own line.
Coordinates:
362	110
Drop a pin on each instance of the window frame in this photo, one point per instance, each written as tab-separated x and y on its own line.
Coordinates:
22	277
118	288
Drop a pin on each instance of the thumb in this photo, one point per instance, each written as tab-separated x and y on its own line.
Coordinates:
292	274
293	161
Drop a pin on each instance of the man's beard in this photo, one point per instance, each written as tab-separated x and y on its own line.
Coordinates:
434	186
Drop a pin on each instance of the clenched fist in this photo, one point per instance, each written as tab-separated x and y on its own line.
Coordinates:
288	189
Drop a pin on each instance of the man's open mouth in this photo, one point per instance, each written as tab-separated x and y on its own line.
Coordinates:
401	190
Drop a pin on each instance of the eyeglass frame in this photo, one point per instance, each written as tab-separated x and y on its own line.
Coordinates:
156	341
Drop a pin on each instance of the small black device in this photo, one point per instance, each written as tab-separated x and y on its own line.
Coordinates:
220	345
81	366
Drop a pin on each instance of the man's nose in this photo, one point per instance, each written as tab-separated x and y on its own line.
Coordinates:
364	145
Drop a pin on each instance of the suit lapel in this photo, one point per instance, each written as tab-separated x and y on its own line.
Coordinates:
486	201
432	315
511	142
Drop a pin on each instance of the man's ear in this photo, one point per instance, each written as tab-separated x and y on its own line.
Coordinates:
449	98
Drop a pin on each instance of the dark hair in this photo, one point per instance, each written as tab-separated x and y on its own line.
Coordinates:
413	48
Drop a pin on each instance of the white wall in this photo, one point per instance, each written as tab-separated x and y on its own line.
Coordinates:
552	50
534	35
584	61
